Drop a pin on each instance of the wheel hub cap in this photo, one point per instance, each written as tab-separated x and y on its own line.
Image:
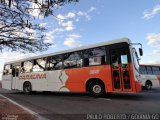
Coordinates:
96	89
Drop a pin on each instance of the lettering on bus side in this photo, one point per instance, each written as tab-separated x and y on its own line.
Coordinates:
32	76
94	72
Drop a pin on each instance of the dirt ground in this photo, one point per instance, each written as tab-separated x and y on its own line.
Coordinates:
10	111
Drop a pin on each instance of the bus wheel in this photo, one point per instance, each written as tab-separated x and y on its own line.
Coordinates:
27	88
148	85
96	89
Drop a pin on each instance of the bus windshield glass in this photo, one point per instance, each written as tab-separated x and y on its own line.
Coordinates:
136	60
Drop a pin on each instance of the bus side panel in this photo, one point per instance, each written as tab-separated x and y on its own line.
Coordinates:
49	81
78	77
20	85
136	85
7	82
143	80
37	80
132	78
153	78
56	80
37	85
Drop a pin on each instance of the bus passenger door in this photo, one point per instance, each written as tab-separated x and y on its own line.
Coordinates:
15	74
120	70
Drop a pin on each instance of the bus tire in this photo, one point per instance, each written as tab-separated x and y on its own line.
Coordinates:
27	88
148	85
96	89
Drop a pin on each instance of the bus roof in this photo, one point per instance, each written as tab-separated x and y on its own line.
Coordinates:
74	49
150	65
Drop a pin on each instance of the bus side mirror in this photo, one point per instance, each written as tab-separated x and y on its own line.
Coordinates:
140	51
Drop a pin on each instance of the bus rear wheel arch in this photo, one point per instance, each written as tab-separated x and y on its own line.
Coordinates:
148	85
95	87
27	87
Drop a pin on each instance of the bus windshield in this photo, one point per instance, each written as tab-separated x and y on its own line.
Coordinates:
136	60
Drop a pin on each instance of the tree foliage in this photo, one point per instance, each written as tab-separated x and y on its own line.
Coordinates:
19	30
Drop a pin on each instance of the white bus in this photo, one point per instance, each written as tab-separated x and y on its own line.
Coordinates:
150	76
90	69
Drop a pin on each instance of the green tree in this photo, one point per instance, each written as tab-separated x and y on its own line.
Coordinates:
18	29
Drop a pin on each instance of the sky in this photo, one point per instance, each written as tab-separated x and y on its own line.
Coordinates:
92	21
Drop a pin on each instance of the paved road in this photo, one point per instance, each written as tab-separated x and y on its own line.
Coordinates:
65	106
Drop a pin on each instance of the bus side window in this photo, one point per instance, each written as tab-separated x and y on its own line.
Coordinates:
156	70
86	62
96	56
49	63
39	64
114	61
4	71
72	60
13	71
142	69
124	60
28	66
17	70
54	62
22	68
149	70
58	62
7	70
103	60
